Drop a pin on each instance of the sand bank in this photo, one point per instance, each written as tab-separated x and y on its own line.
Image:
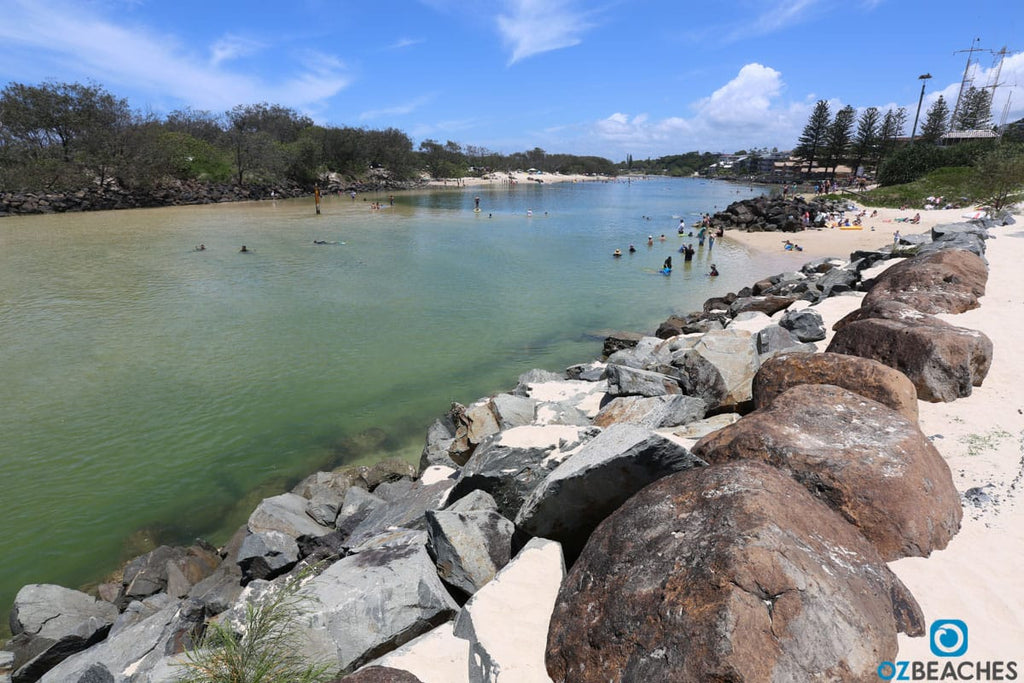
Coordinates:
977	577
522	178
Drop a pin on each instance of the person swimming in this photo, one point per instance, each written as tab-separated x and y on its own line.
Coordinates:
244	250
714	270
617	253
632	249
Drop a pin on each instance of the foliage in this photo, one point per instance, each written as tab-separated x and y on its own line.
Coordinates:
974	110
814	135
265	649
909	163
936	122
865	142
952	182
893	123
837	137
998	178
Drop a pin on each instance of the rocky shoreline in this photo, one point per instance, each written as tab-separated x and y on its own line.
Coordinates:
182	193
603	522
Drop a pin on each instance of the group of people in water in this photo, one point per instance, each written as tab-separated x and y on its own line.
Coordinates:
705	233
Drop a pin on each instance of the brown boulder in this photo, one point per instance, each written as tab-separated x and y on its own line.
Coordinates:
862	459
864	376
946	281
943	361
769	305
727	573
378	674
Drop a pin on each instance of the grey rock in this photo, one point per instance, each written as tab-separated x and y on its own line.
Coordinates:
390	491
806	325
358	504
406	512
513	411
474	500
367	604
772	339
588	372
574	498
627	381
656	412
440	437
468	547
266	554
285	513
535	377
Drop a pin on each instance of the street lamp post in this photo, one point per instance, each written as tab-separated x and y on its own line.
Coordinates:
924	81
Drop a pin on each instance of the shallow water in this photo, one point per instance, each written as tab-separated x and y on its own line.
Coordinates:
152	393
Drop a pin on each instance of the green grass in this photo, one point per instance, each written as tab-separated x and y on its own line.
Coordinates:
951	183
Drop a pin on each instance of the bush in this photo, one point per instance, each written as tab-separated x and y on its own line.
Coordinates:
912	162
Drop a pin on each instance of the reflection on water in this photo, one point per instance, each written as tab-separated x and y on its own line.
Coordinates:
153	393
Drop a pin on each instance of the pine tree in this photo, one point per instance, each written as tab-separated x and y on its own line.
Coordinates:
975	110
812	140
936	123
837	137
866	140
892	128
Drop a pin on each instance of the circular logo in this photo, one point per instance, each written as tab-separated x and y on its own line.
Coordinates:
949	638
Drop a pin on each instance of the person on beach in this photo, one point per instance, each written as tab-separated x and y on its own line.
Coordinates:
896	238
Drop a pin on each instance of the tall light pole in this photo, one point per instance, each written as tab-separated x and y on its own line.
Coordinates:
924	81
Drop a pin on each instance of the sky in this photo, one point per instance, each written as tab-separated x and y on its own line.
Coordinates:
611	78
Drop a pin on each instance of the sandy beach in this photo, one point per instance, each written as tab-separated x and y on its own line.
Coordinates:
522	178
977	577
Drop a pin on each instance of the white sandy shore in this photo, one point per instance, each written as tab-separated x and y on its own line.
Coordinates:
521	178
977	578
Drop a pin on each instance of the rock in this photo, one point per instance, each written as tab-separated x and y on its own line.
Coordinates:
626	381
285	513
864	460
511	464
655	412
506	621
586	488
943	362
468	547
266	554
769	305
379	674
137	610
535	376
356	507
805	324
367	604
773	339
864	376
719	368
472	425
568	402
136	650
474	500
589	372
435	657
390	491
440	438
946	281
51	623
647	353
695	430
513	411
733	573
618	341
406	512
147	574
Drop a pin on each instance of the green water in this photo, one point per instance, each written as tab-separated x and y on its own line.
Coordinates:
152	393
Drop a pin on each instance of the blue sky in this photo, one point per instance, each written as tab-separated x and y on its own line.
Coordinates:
612	77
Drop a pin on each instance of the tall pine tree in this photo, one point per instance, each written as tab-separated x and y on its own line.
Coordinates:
812	140
866	139
936	123
837	137
975	111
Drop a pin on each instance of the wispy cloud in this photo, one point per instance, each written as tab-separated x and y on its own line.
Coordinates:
779	15
397	110
403	43
530	27
77	43
231	47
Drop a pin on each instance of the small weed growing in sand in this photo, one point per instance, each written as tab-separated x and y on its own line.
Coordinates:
979	443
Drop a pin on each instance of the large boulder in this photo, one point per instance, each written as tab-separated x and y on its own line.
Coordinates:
865	376
627	381
511	464
719	368
943	361
406	512
806	324
469	547
655	412
285	513
864	460
945	281
370	603
769	305
506	621
50	623
586	488
379	674
727	573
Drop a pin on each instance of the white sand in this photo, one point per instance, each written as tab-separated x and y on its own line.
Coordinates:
522	178
979	578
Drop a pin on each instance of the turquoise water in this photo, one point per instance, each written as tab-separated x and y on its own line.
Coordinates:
152	393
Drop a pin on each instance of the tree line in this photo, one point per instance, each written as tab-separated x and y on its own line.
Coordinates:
65	136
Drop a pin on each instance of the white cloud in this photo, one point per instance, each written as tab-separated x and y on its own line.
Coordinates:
779	15
530	27
402	43
397	110
744	112
70	40
232	47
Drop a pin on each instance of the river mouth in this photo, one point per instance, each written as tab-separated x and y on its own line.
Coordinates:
154	393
